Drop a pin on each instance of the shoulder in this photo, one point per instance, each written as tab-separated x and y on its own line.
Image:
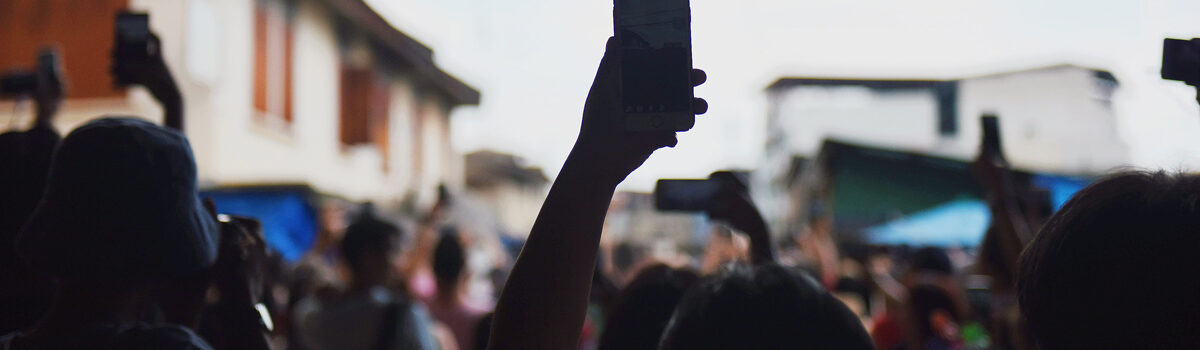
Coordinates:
6	341
168	337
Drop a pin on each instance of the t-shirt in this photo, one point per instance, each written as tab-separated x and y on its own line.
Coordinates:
462	319
113	337
353	322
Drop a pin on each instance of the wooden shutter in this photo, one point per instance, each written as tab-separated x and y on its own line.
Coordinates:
82	30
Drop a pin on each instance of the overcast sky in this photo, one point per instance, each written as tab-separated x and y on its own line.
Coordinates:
533	60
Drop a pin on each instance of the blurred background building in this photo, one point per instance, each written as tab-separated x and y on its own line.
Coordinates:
514	190
869	151
322	93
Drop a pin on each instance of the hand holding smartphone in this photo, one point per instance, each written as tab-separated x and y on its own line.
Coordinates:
655	41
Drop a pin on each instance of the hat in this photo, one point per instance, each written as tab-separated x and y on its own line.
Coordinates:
120	201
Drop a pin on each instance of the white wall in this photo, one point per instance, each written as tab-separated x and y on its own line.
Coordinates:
1058	119
807	115
213	64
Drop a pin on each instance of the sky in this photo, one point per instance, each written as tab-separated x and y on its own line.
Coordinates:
533	61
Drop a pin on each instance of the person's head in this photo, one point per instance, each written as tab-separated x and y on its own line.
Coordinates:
449	261
1115	268
369	247
121	204
765	307
932	261
625	255
645	306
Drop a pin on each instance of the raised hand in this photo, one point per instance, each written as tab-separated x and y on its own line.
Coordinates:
544	302
150	71
734	206
611	150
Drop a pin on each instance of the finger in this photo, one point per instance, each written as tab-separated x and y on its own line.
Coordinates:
699	106
698	77
664	139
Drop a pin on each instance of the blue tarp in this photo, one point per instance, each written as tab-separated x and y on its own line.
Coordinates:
1061	187
957	223
289	223
961	222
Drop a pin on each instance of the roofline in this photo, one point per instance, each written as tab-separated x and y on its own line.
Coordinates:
917	83
409	51
787	82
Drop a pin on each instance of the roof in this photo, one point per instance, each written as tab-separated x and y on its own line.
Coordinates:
872	185
407	51
872	83
488	168
917	83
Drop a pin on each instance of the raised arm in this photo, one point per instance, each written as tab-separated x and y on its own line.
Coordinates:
151	72
737	208
545	299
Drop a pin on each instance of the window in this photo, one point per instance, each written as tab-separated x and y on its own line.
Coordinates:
82	31
947	101
365	105
273	60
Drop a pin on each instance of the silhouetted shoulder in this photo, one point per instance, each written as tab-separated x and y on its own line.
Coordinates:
160	337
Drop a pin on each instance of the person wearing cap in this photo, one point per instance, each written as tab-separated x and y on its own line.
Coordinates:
120	217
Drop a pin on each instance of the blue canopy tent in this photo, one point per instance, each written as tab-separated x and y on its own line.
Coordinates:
289	222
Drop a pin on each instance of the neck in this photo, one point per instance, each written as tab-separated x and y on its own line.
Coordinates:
78	304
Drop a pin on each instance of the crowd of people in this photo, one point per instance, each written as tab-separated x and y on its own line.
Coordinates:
106	243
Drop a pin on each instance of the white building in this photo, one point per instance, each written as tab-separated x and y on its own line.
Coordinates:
323	93
1053	119
1057	119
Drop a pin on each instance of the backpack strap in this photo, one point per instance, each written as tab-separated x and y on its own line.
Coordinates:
387	328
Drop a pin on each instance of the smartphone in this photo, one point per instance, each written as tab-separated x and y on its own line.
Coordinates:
1181	60
685	195
655	40
132	42
991	136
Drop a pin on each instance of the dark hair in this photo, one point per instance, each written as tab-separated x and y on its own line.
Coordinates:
624	256
449	258
638	319
930	259
1116	267
766	307
367	235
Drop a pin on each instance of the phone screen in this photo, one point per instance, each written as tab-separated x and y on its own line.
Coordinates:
133	27
656	62
685	195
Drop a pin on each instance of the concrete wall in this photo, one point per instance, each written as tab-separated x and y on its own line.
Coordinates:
1056	119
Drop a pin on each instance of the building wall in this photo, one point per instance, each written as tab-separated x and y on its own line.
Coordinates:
1056	119
209	45
515	206
806	115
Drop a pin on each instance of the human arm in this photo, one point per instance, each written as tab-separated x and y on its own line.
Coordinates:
734	205
544	302
150	71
